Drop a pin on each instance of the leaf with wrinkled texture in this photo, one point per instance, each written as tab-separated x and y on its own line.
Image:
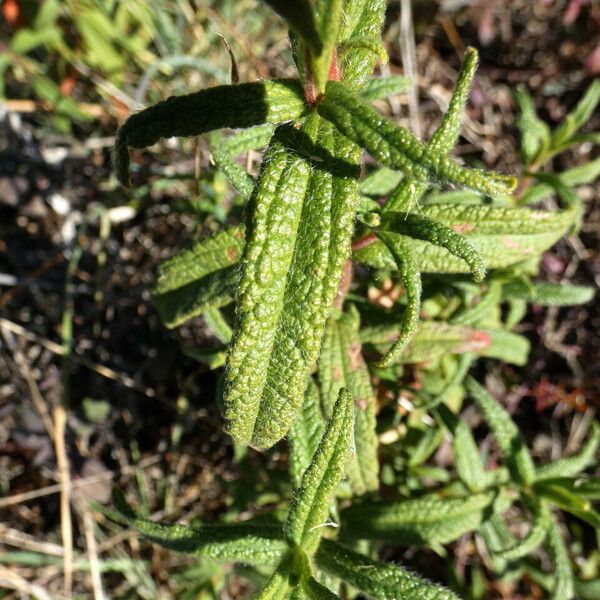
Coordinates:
305	434
310	505
398	148
424	520
502	236
242	105
505	431
341	365
245	543
376	579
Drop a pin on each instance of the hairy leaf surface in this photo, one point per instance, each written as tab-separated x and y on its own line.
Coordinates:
376	579
242	105
503	236
425	520
341	365
309	509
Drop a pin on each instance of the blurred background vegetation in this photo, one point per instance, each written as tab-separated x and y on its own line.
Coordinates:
87	371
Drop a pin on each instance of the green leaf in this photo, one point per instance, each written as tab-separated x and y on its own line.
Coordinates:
584	487
316	591
422	228
310	505
279	584
445	136
425	520
497	537
506	346
305	433
580	175
218	325
507	434
548	294
411	280
398	148
535	134
300	16
364	18
376	579
542	521
224	149
410	191
341	365
242	105
580	115
382	87
468	462
503	237
564	581
380	182
587	589
573	465
564	498
199	277
328	15
300	223
472	315
214	290
245	543
432	340
208	255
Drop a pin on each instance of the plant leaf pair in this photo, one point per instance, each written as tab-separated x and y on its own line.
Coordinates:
298	237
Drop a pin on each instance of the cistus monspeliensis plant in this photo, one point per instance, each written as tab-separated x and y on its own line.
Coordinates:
319	247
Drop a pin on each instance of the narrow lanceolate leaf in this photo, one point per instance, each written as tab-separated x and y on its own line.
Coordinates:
224	149
425	520
572	465
548	294
200	277
377	580
580	175
300	226
467	459
300	17
341	365
506	346
245	543
535	134
305	434
505	431
309	509
411	280
445	136
317	591
542	521
397	147
472	315
410	191
382	87
580	115
428	230
328	15
364	19
567	499
431	341
564	584
380	182
278	586
242	105
503	236
583	486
